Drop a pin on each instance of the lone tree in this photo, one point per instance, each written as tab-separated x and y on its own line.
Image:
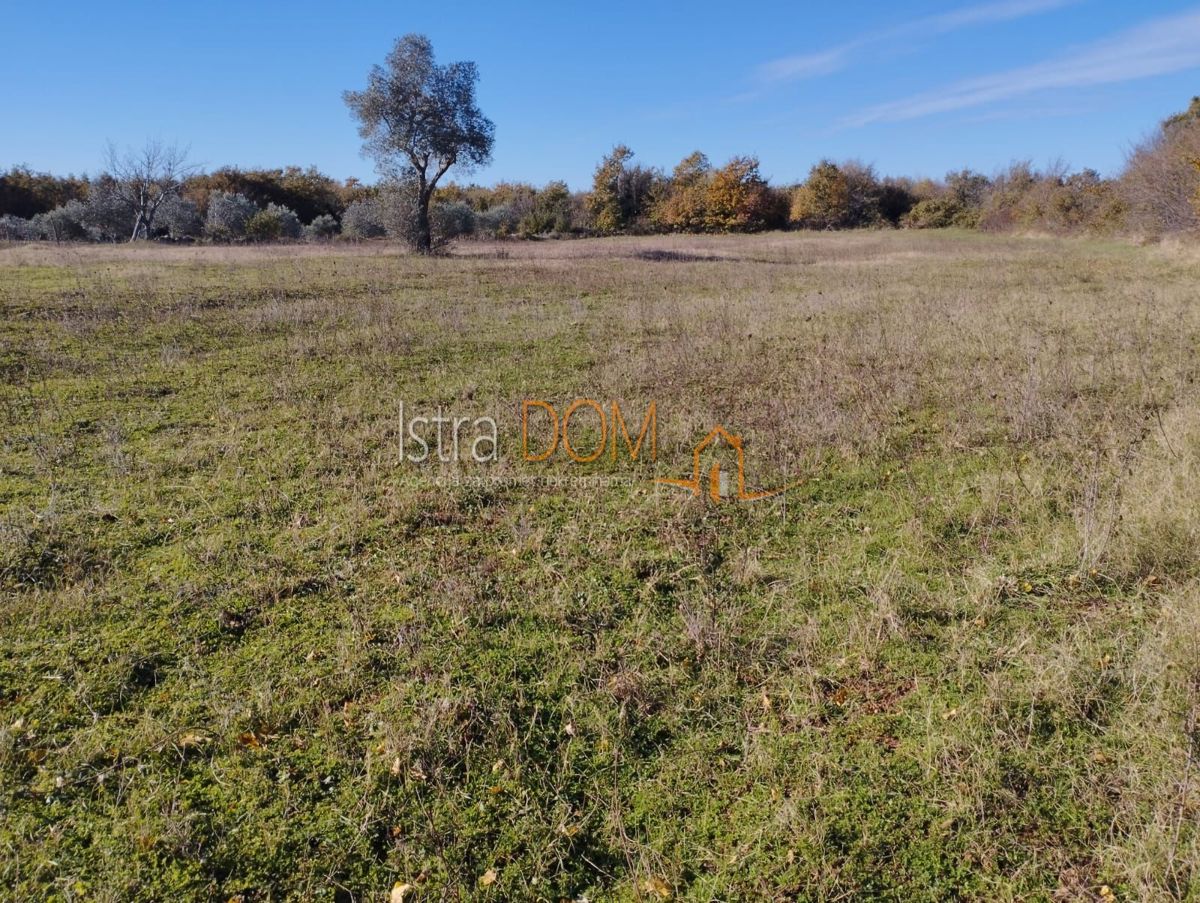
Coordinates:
418	119
143	179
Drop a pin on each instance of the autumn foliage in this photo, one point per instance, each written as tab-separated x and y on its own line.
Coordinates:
1157	193
734	198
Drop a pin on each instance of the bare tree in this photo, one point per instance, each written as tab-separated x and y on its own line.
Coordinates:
418	119
143	179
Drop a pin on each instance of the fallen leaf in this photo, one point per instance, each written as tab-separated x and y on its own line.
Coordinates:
249	739
400	892
658	887
191	741
488	878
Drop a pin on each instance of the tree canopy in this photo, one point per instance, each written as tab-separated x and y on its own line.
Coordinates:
418	118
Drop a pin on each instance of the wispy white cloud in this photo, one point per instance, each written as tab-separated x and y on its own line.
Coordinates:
1002	11
832	59
1157	47
807	65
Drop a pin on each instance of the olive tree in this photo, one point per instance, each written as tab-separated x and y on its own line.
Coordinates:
107	215
322	227
63	223
363	219
13	228
181	218
228	214
274	222
418	119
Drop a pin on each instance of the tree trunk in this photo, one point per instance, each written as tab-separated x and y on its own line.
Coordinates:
423	235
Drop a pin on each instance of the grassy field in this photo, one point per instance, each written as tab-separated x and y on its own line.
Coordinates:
246	654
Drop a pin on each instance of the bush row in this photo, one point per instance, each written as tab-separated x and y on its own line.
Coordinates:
1159	192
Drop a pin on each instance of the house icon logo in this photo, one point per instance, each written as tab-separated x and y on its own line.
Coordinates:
717	480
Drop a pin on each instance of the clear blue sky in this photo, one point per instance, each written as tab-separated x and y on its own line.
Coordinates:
917	87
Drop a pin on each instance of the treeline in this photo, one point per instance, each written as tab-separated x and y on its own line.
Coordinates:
1157	193
229	204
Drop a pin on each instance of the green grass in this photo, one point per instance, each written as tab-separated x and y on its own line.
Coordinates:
244	654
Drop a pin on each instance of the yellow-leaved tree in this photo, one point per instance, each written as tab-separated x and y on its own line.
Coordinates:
738	199
605	201
822	202
684	208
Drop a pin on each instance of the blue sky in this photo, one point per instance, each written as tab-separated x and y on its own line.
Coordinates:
916	88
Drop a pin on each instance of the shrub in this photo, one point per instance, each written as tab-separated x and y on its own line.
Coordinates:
1160	182
306	191
13	228
65	223
551	211
1086	201
289	223
450	221
939	213
968	187
273	223
1052	201
107	217
321	228
228	216
397	202
181	218
263	226
1016	198
498	222
363	219
958	203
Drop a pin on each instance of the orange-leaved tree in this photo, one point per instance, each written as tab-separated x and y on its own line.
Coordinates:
738	199
684	208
